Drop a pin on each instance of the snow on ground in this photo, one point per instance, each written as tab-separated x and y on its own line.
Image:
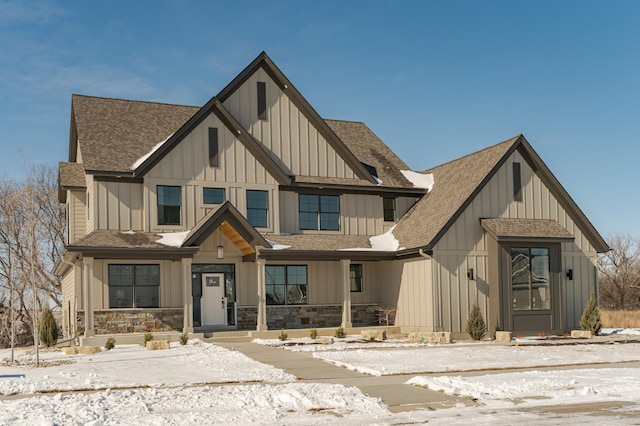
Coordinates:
176	394
479	356
132	366
566	386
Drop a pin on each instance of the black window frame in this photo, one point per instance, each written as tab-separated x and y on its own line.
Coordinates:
170	210
321	213
253	210
355	277
213	147
289	289
389	213
136	286
262	100
220	191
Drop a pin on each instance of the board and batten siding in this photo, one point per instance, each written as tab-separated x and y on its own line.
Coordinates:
187	166
77	213
286	132
360	214
119	205
464	246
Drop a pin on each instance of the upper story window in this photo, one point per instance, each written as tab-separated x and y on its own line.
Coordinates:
213	147
517	182
134	286
355	276
389	209
169	200
213	195
258	208
286	285
319	212
262	100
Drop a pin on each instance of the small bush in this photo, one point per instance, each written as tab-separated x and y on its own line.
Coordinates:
476	326
48	328
283	335
313	333
147	338
110	343
591	316
340	333
184	338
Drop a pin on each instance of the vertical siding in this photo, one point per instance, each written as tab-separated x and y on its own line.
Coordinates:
287	133
118	205
415	304
464	247
77	213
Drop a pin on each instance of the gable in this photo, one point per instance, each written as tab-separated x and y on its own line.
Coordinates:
189	159
292	130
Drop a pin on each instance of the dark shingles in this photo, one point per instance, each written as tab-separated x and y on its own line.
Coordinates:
525	228
370	150
71	175
454	184
107	238
114	133
321	242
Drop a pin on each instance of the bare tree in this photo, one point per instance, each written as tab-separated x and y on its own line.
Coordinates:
32	229
620	274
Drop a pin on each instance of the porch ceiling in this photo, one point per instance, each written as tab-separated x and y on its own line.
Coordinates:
235	237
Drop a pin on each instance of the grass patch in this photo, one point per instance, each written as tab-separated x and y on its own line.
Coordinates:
620	318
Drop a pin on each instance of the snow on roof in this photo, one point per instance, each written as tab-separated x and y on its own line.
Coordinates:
142	159
277	246
419	180
383	242
173	239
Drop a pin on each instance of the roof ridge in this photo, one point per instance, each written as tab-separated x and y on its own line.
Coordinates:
133	100
345	121
512	140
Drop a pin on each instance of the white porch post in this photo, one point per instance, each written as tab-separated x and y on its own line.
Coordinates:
346	293
187	296
262	300
87	269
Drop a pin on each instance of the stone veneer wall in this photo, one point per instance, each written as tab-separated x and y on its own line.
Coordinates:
120	321
306	316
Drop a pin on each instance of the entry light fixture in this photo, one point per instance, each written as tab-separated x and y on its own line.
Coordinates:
470	274
570	274
220	252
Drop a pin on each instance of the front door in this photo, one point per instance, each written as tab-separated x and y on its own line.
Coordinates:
214	302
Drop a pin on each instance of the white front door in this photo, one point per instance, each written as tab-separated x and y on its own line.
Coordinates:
214	302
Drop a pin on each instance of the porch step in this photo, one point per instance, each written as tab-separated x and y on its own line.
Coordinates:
227	336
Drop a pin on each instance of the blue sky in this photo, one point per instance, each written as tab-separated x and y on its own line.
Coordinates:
434	79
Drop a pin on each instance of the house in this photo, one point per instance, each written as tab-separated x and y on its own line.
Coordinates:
253	213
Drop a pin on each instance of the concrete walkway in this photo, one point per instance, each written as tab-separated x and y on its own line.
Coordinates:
391	389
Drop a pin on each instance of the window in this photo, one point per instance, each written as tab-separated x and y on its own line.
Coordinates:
355	276
257	208
530	284
389	209
286	285
262	100
213	195
134	286
213	147
319	212
168	205
517	182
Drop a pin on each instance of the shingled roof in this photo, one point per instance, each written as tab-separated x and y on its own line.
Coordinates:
114	133
455	183
371	151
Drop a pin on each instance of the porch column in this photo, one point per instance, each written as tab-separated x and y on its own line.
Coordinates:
87	270
346	293
187	296
262	300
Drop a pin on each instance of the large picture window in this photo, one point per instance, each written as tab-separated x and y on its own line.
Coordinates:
134	286
169	205
286	285
319	212
530	278
258	208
